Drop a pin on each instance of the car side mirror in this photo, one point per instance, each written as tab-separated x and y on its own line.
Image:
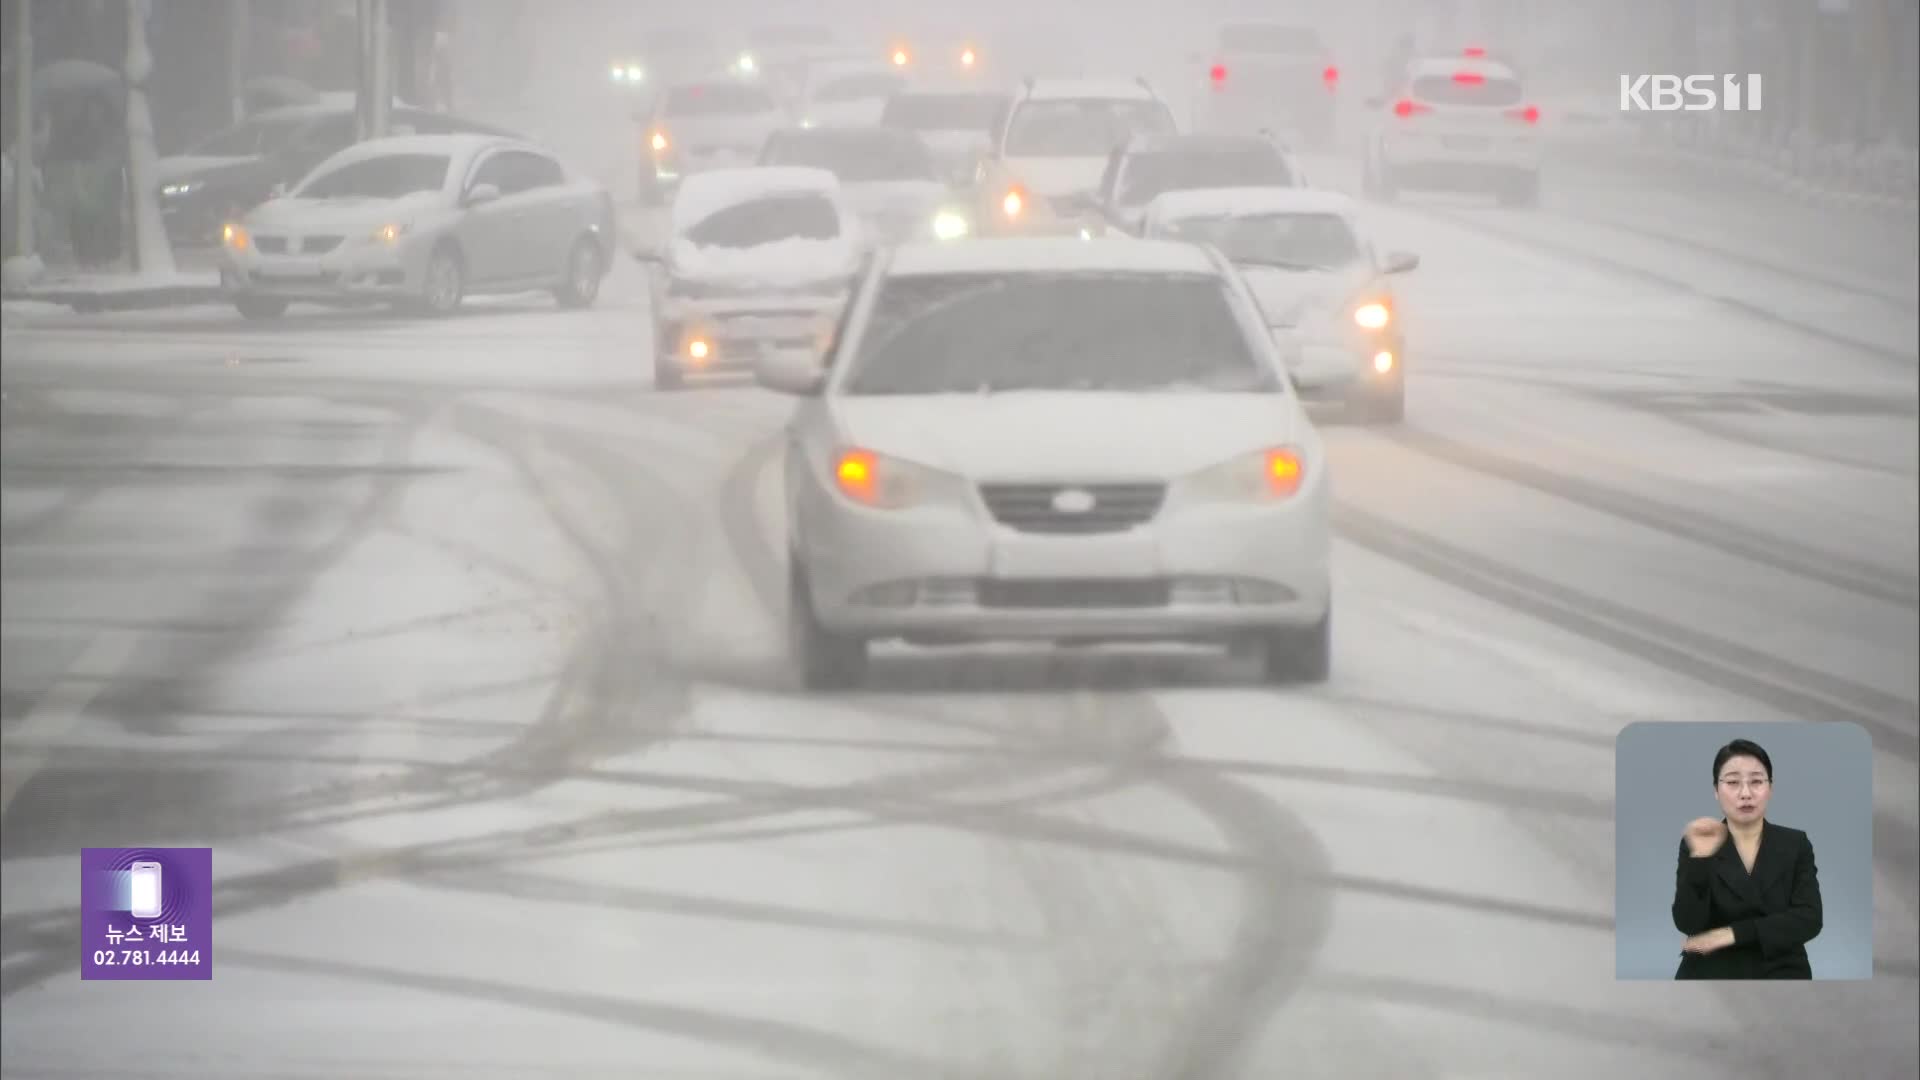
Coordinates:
482	194
799	372
1399	262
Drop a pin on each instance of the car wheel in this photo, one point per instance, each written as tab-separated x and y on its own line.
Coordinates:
581	285
827	661
259	308
446	283
1520	190
1300	654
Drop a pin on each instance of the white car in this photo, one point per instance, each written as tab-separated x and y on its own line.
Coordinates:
1324	289
957	125
848	94
422	221
757	259
1459	124
1044	173
888	177
1049	440
712	124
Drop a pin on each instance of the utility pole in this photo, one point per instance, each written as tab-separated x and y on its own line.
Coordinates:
238	40
374	87
152	253
25	170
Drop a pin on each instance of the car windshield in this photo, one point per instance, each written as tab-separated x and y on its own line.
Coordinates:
879	84
1308	241
1467	88
388	176
805	215
717	99
943	112
1082	331
855	156
1082	128
1144	176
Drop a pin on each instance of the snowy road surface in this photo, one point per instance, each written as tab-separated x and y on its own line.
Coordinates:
460	645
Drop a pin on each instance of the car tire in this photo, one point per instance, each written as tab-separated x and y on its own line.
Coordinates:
259	308
446	282
826	660
580	281
1520	191
1301	654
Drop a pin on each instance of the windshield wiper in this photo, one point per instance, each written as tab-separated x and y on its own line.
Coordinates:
1278	264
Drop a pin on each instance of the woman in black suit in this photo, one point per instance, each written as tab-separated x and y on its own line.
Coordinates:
1748	907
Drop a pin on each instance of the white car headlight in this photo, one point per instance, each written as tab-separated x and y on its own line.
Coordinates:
887	483
186	187
950	225
1271	475
391	234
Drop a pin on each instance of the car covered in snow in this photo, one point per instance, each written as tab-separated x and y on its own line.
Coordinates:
423	221
1049	440
888	177
1043	176
756	258
1152	165
1322	287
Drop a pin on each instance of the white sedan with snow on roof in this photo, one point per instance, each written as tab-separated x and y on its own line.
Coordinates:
1325	292
1045	439
423	221
757	258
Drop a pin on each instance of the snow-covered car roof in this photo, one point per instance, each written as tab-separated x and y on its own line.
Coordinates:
1217	202
1088	90
1015	255
704	194
1429	66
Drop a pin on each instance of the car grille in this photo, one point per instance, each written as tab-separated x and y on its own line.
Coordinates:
1030	507
281	245
1075	593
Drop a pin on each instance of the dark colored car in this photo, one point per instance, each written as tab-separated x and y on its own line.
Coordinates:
228	173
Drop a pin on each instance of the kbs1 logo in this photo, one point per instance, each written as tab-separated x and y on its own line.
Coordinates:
1691	93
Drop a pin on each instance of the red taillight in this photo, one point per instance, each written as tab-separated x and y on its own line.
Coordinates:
1283	471
1407	107
1469	78
1531	114
1218	74
1330	76
1474	51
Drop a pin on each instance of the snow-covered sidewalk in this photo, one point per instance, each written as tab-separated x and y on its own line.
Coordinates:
195	280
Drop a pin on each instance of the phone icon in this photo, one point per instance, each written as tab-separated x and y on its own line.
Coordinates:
146	890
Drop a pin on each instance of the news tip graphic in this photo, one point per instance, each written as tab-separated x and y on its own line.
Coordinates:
146	913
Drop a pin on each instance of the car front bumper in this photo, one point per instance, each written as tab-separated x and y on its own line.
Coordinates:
955	573
736	331
367	271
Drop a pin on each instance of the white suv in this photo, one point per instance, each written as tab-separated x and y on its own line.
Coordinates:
1044	174
1457	125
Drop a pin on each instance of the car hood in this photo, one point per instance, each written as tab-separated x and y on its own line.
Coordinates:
1305	300
786	265
1068	436
957	143
342	214
1058	177
174	170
